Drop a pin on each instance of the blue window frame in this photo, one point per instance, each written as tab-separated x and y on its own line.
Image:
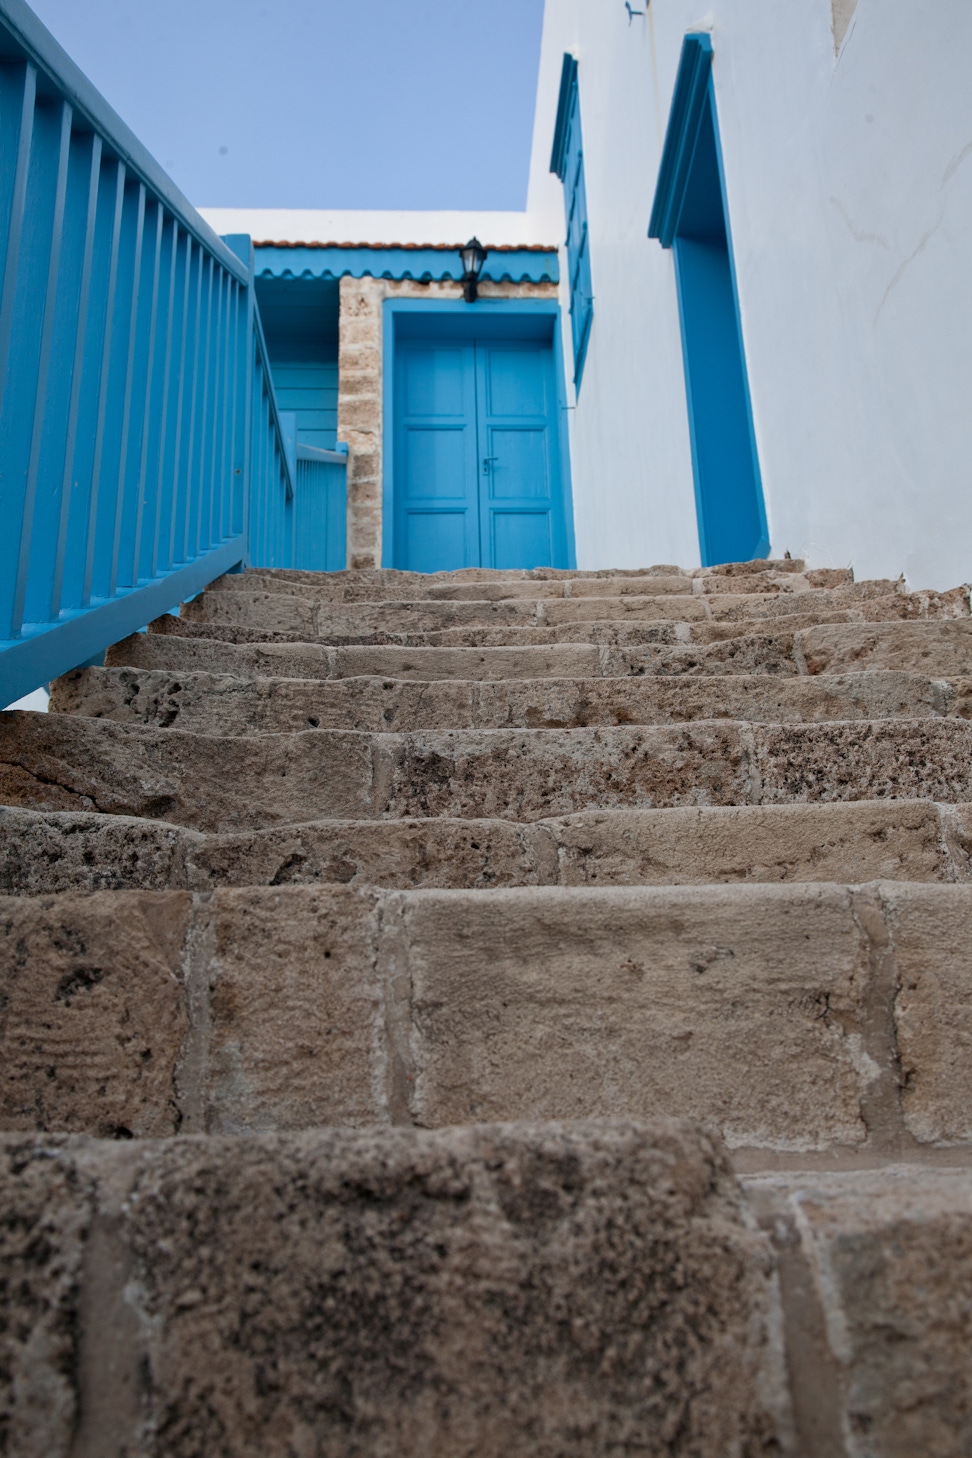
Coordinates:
567	161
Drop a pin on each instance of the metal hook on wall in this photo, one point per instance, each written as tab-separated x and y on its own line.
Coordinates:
633	13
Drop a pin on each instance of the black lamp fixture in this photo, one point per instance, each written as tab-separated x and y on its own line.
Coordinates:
473	257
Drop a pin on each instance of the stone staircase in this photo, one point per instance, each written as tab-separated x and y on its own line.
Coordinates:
540	1006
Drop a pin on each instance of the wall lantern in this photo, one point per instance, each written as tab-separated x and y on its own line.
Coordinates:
473	257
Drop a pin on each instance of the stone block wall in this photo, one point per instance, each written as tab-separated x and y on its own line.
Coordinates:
360	385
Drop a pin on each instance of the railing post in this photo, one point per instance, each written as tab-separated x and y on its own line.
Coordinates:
242	245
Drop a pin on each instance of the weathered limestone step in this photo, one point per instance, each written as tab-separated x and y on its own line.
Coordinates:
45	852
875	1275
375	584
939	649
207	703
792	1018
311	619
588	1288
500	586
522	658
247	782
507	1292
629	633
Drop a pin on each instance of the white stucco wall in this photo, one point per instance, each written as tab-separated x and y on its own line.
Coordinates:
849	180
319	225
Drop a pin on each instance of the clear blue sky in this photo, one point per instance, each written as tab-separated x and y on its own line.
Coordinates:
319	103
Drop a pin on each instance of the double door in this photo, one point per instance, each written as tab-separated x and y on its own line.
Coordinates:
477	474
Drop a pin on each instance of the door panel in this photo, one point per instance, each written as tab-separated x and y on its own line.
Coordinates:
521	539
516	380
521	467
434	463
436	457
436	541
434	381
518	446
476	456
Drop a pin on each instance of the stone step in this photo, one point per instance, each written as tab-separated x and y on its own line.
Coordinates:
314	620
208	703
875	1277
46	852
372	584
940	649
653	650
803	1018
329	587
585	1287
524	1291
228	783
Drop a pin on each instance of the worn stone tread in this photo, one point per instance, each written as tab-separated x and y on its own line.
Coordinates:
875	1268
388	1291
941	649
224	783
307	618
371	584
801	1018
207	703
46	852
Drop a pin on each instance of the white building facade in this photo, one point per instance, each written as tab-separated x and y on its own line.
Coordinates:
846	148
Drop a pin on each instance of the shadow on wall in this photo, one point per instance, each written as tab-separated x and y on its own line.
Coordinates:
842	13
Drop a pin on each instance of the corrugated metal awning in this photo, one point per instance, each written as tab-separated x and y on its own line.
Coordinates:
529	264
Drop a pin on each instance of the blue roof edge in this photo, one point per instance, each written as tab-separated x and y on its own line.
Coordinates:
694	68
526	265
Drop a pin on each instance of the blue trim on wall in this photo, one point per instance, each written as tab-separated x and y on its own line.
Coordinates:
515	265
456	315
690	214
763	545
688	100
568	77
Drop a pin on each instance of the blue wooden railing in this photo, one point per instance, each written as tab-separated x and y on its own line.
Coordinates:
142	453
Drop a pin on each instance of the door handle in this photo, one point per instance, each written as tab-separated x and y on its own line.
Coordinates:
487	462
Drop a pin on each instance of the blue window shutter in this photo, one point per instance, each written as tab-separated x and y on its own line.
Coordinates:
568	162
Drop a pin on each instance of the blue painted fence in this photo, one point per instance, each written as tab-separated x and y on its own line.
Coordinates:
142	453
321	515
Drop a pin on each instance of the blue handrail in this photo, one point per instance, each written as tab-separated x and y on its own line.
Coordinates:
141	448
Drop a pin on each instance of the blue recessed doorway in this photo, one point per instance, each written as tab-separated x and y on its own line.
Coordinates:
475	456
690	216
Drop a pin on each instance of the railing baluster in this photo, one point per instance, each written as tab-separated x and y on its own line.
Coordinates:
43	366
24	136
204	421
131	340
84	294
210	515
91	541
11	264
190	485
225	464
142	484
168	438
239	445
174	544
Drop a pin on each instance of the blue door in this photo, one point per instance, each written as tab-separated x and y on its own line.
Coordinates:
477	467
